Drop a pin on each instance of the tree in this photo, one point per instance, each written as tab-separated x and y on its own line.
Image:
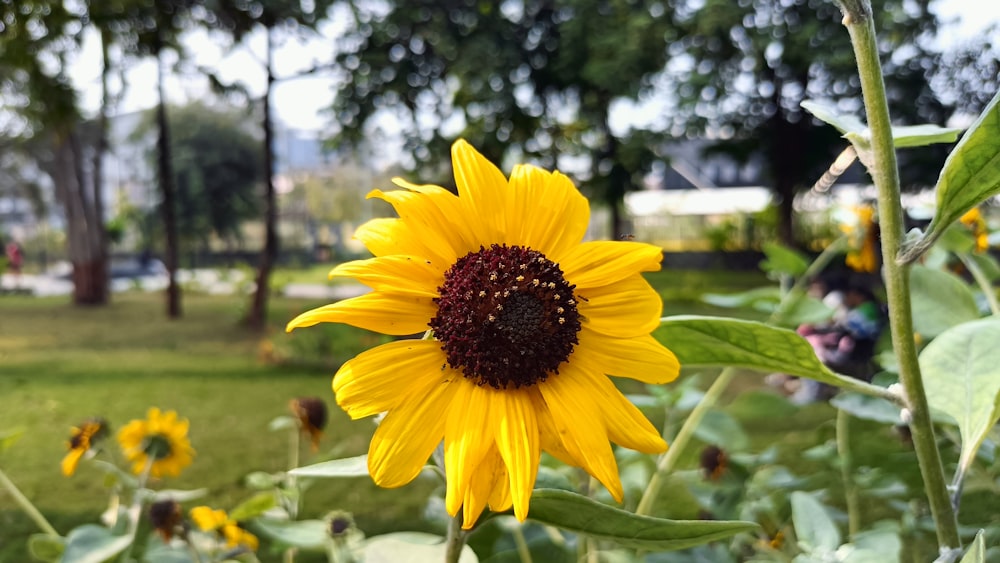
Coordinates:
532	80
744	67
272	16
37	39
215	170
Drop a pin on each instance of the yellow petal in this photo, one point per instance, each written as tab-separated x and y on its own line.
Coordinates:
641	358
599	263
422	213
482	189
626	424
546	212
500	499
380	311
386	237
469	435
581	425
627	308
408	435
379	379
207	519
396	274
460	229
480	489
548	434
71	460
517	441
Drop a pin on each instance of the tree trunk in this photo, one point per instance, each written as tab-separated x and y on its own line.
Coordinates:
257	316
168	208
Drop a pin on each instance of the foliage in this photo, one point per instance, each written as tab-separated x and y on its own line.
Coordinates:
528	81
216	170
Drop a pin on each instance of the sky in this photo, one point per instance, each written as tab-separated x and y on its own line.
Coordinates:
299	102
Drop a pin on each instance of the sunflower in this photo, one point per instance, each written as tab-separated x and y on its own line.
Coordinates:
82	438
209	520
527	321
161	437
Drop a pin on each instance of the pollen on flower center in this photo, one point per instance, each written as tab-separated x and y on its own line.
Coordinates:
506	316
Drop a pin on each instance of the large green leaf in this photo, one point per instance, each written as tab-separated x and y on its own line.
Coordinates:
46	547
91	543
961	370
866	407
940	301
799	308
411	546
761	298
583	515
905	136
717	341
829	115
977	551
347	467
303	534
254	506
970	176
816	532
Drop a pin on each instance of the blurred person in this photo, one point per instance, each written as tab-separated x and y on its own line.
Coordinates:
15	260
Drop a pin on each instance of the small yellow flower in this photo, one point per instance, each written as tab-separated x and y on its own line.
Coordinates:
863	253
82	439
161	437
973	219
528	323
209	520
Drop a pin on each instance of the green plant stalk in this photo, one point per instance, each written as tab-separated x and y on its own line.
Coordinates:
984	284
455	540
884	172
36	516
847	471
668	460
523	553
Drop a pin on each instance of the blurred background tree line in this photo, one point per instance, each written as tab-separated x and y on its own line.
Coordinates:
526	80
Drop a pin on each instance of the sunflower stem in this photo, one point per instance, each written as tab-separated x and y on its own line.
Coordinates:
984	284
668	460
456	539
36	516
846	471
523	553
135	510
858	19
294	446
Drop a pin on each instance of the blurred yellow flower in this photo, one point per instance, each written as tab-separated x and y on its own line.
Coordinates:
208	520
862	255
161	438
82	438
973	219
528	322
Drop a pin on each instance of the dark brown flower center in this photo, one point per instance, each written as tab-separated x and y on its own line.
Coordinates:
506	316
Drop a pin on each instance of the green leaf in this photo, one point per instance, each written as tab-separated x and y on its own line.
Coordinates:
46	547
253	506
961	370
799	308
303	534
549	478
815	530
177	495
971	174
866	407
579	514
905	136
91	543
940	301
783	260
977	551
721	429
719	342
829	115
988	264
758	297
156	552
412	546
347	467
758	405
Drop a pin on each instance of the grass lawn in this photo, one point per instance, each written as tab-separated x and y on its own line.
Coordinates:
60	364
